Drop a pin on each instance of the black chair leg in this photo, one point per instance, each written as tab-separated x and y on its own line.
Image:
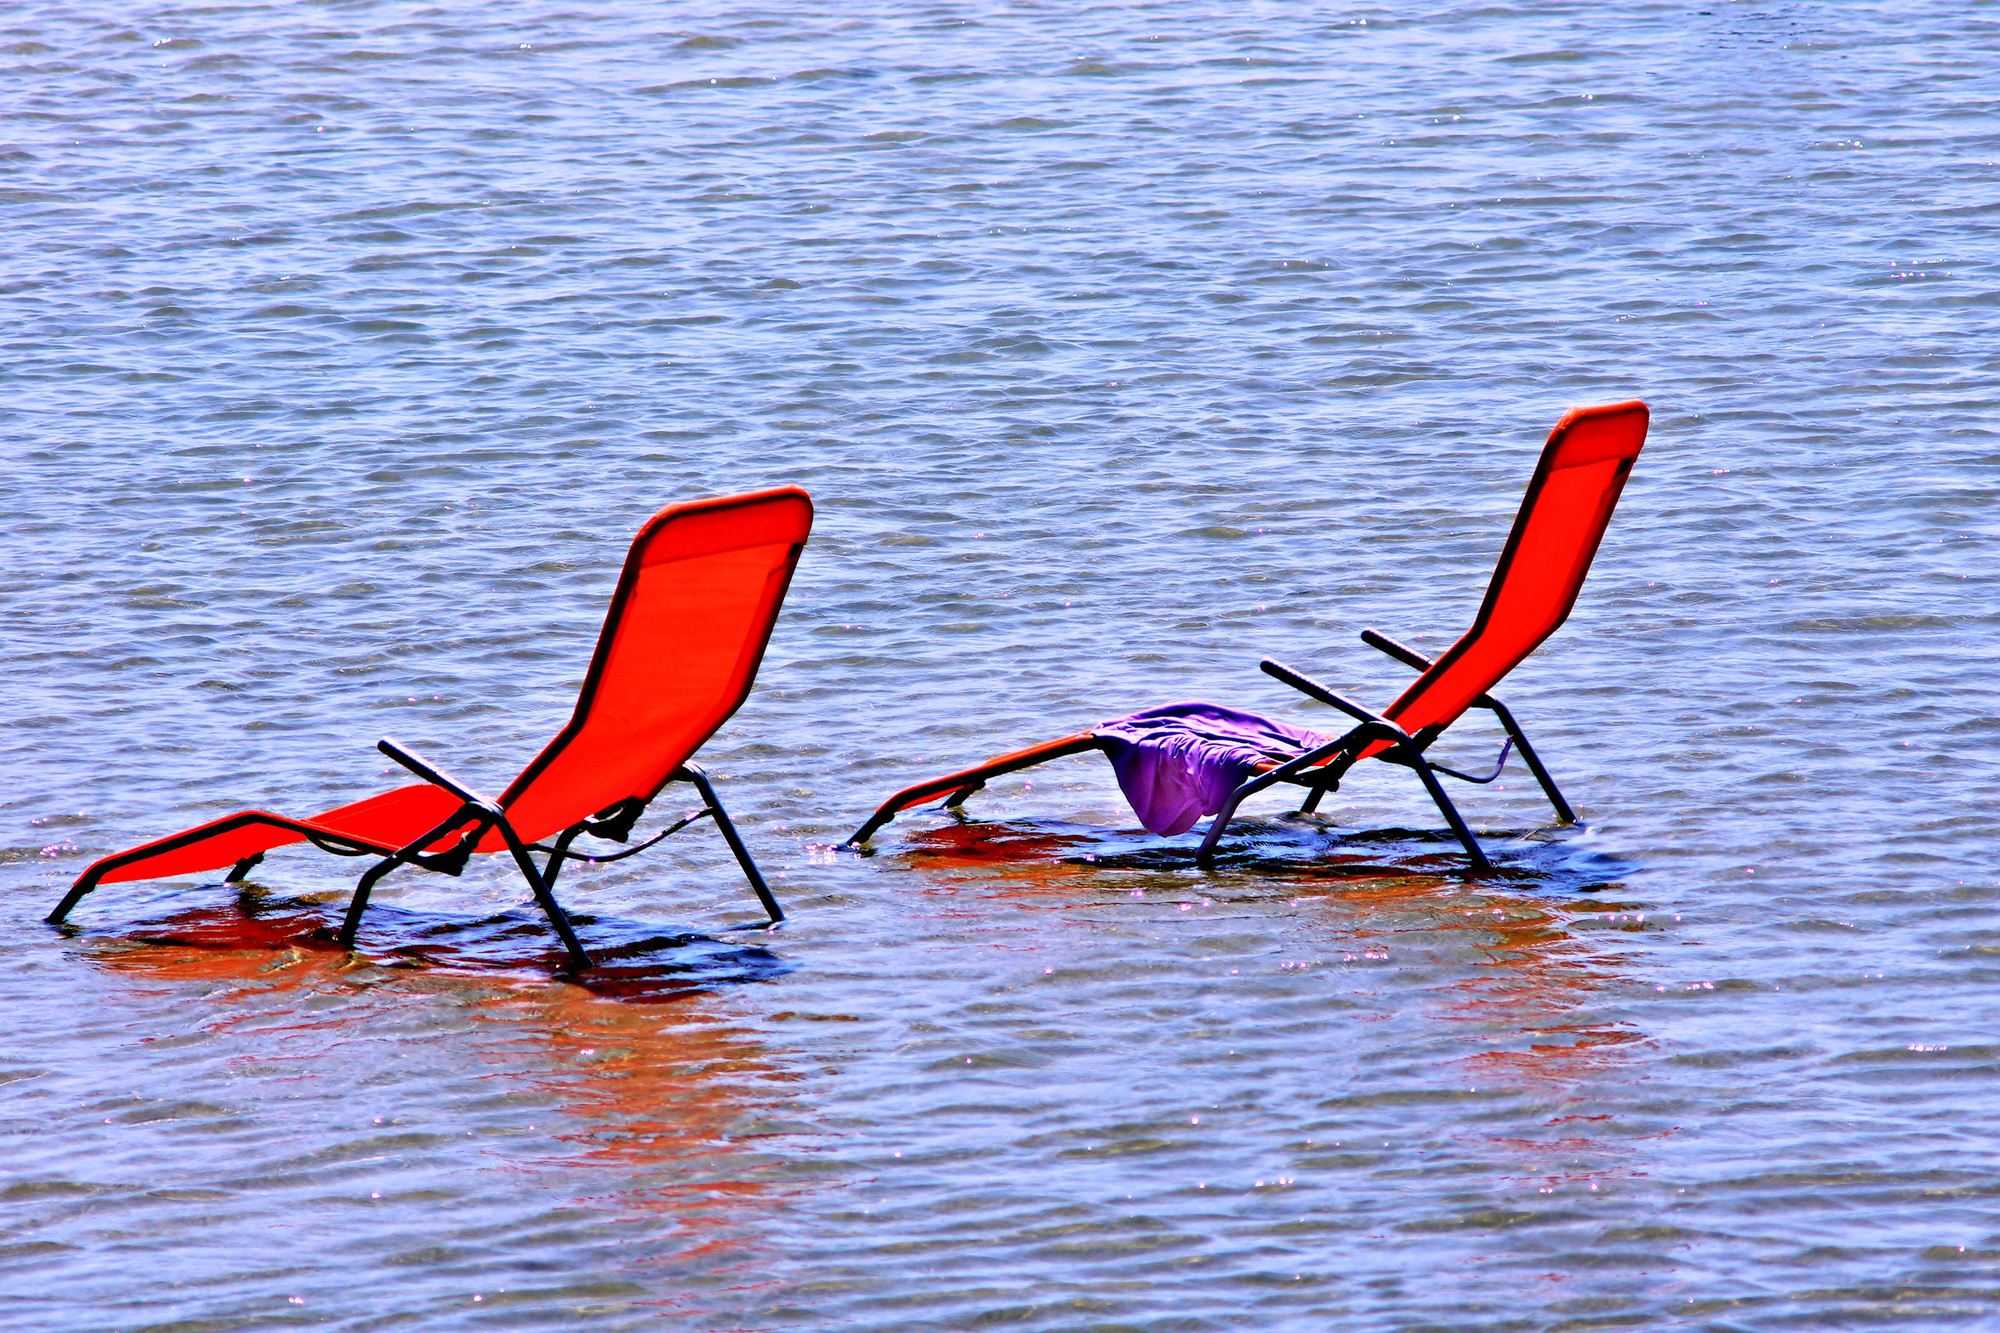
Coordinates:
1563	812
358	904
1205	858
1285	772
1448	810
579	958
71	899
735	840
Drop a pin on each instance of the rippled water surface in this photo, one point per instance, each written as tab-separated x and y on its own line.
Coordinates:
346	345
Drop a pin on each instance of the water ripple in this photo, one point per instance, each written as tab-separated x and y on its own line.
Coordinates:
1120	345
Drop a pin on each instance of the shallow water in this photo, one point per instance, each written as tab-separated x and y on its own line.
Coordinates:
347	344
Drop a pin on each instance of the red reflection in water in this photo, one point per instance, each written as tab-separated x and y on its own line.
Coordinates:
1520	980
1007	859
654	1095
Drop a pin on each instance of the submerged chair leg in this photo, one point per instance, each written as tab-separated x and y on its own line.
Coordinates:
579	958
1448	810
403	855
693	773
1403	747
75	895
1205	857
1314	795
489	815
1563	813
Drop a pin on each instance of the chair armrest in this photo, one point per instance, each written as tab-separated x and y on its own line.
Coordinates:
428	772
1313	689
1409	657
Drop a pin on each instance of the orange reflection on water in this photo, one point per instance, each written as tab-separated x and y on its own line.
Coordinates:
644	1088
1496	957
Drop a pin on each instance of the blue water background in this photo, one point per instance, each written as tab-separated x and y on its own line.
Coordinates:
344	345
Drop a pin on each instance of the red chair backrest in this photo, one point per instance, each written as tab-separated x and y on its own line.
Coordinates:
1563	516
681	644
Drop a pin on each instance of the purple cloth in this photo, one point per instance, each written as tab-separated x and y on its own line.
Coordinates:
1179	762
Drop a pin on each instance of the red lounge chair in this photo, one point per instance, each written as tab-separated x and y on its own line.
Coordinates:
681	643
1568	505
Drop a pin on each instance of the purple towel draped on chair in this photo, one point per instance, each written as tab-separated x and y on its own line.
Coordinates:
1180	761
